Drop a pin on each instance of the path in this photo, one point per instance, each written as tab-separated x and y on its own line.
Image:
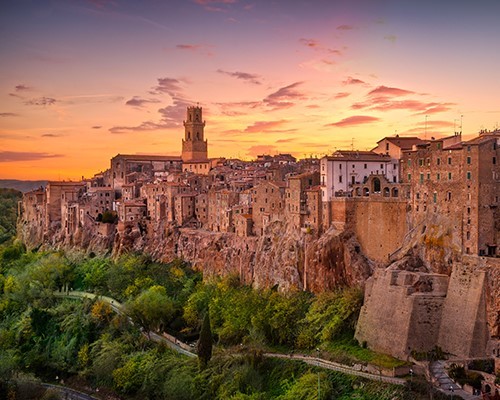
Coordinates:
444	382
68	393
173	344
319	362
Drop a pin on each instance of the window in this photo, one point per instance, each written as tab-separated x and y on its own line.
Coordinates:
468	175
366	166
409	163
468	160
428	161
468	148
387	147
340	178
438	161
449	160
420	161
439	146
438	176
468	210
494	160
418	196
448	196
340	166
409	177
468	235
434	197
421	178
381	166
449	176
428	176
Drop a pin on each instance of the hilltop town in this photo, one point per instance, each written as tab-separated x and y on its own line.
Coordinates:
416	221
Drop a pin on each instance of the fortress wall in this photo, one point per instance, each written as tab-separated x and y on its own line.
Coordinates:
424	325
396	317
385	316
464	331
380	226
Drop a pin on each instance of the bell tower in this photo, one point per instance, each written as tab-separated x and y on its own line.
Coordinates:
194	146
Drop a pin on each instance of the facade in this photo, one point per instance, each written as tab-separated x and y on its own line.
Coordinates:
461	182
344	169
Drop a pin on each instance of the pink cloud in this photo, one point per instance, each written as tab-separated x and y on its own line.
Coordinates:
345	27
254	151
140	102
353	81
354	120
12	156
283	97
389	91
342	95
264	126
245	76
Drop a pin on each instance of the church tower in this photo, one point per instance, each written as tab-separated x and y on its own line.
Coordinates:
194	147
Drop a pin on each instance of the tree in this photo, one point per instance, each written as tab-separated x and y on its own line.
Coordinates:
152	309
205	342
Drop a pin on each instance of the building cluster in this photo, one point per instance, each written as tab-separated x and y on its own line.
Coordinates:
441	176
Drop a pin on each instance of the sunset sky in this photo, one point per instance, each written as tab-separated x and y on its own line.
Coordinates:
84	80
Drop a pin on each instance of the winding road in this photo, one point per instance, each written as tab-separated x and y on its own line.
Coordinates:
180	347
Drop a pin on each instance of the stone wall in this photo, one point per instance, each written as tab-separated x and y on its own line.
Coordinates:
401	311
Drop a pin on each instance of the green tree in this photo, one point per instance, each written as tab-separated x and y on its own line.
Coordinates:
205	342
152	309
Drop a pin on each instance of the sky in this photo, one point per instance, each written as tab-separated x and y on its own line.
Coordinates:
84	80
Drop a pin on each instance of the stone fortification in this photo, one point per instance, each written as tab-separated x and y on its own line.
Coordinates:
401	312
408	311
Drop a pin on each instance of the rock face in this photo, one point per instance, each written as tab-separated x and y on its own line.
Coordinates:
281	257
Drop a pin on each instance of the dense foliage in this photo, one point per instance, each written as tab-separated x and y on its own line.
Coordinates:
8	213
48	336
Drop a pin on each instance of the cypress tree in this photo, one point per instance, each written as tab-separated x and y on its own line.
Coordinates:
205	342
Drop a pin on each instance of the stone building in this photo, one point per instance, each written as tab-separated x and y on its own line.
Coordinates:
344	169
58	195
267	204
184	206
220	215
296	208
461	182
126	168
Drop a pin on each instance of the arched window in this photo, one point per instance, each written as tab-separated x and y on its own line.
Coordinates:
366	192
358	191
376	185
395	192
386	192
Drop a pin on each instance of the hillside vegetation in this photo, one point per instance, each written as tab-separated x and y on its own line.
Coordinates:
44	336
8	213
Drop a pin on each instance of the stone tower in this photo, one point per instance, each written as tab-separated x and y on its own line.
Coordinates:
194	147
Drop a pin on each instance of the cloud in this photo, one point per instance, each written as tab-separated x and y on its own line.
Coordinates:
41	101
283	97
200	48
353	81
254	151
51	135
389	91
391	38
170	86
97	127
171	115
309	42
245	76
22	88
8	114
139	102
434	108
345	27
264	126
341	95
12	156
354	120
288	140
211	5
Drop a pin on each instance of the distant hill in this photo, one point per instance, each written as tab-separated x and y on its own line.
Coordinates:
22	186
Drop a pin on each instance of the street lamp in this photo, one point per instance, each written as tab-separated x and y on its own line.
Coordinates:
411	377
451	391
319	387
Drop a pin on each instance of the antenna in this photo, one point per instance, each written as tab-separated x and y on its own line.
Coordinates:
461	122
425	132
352	144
